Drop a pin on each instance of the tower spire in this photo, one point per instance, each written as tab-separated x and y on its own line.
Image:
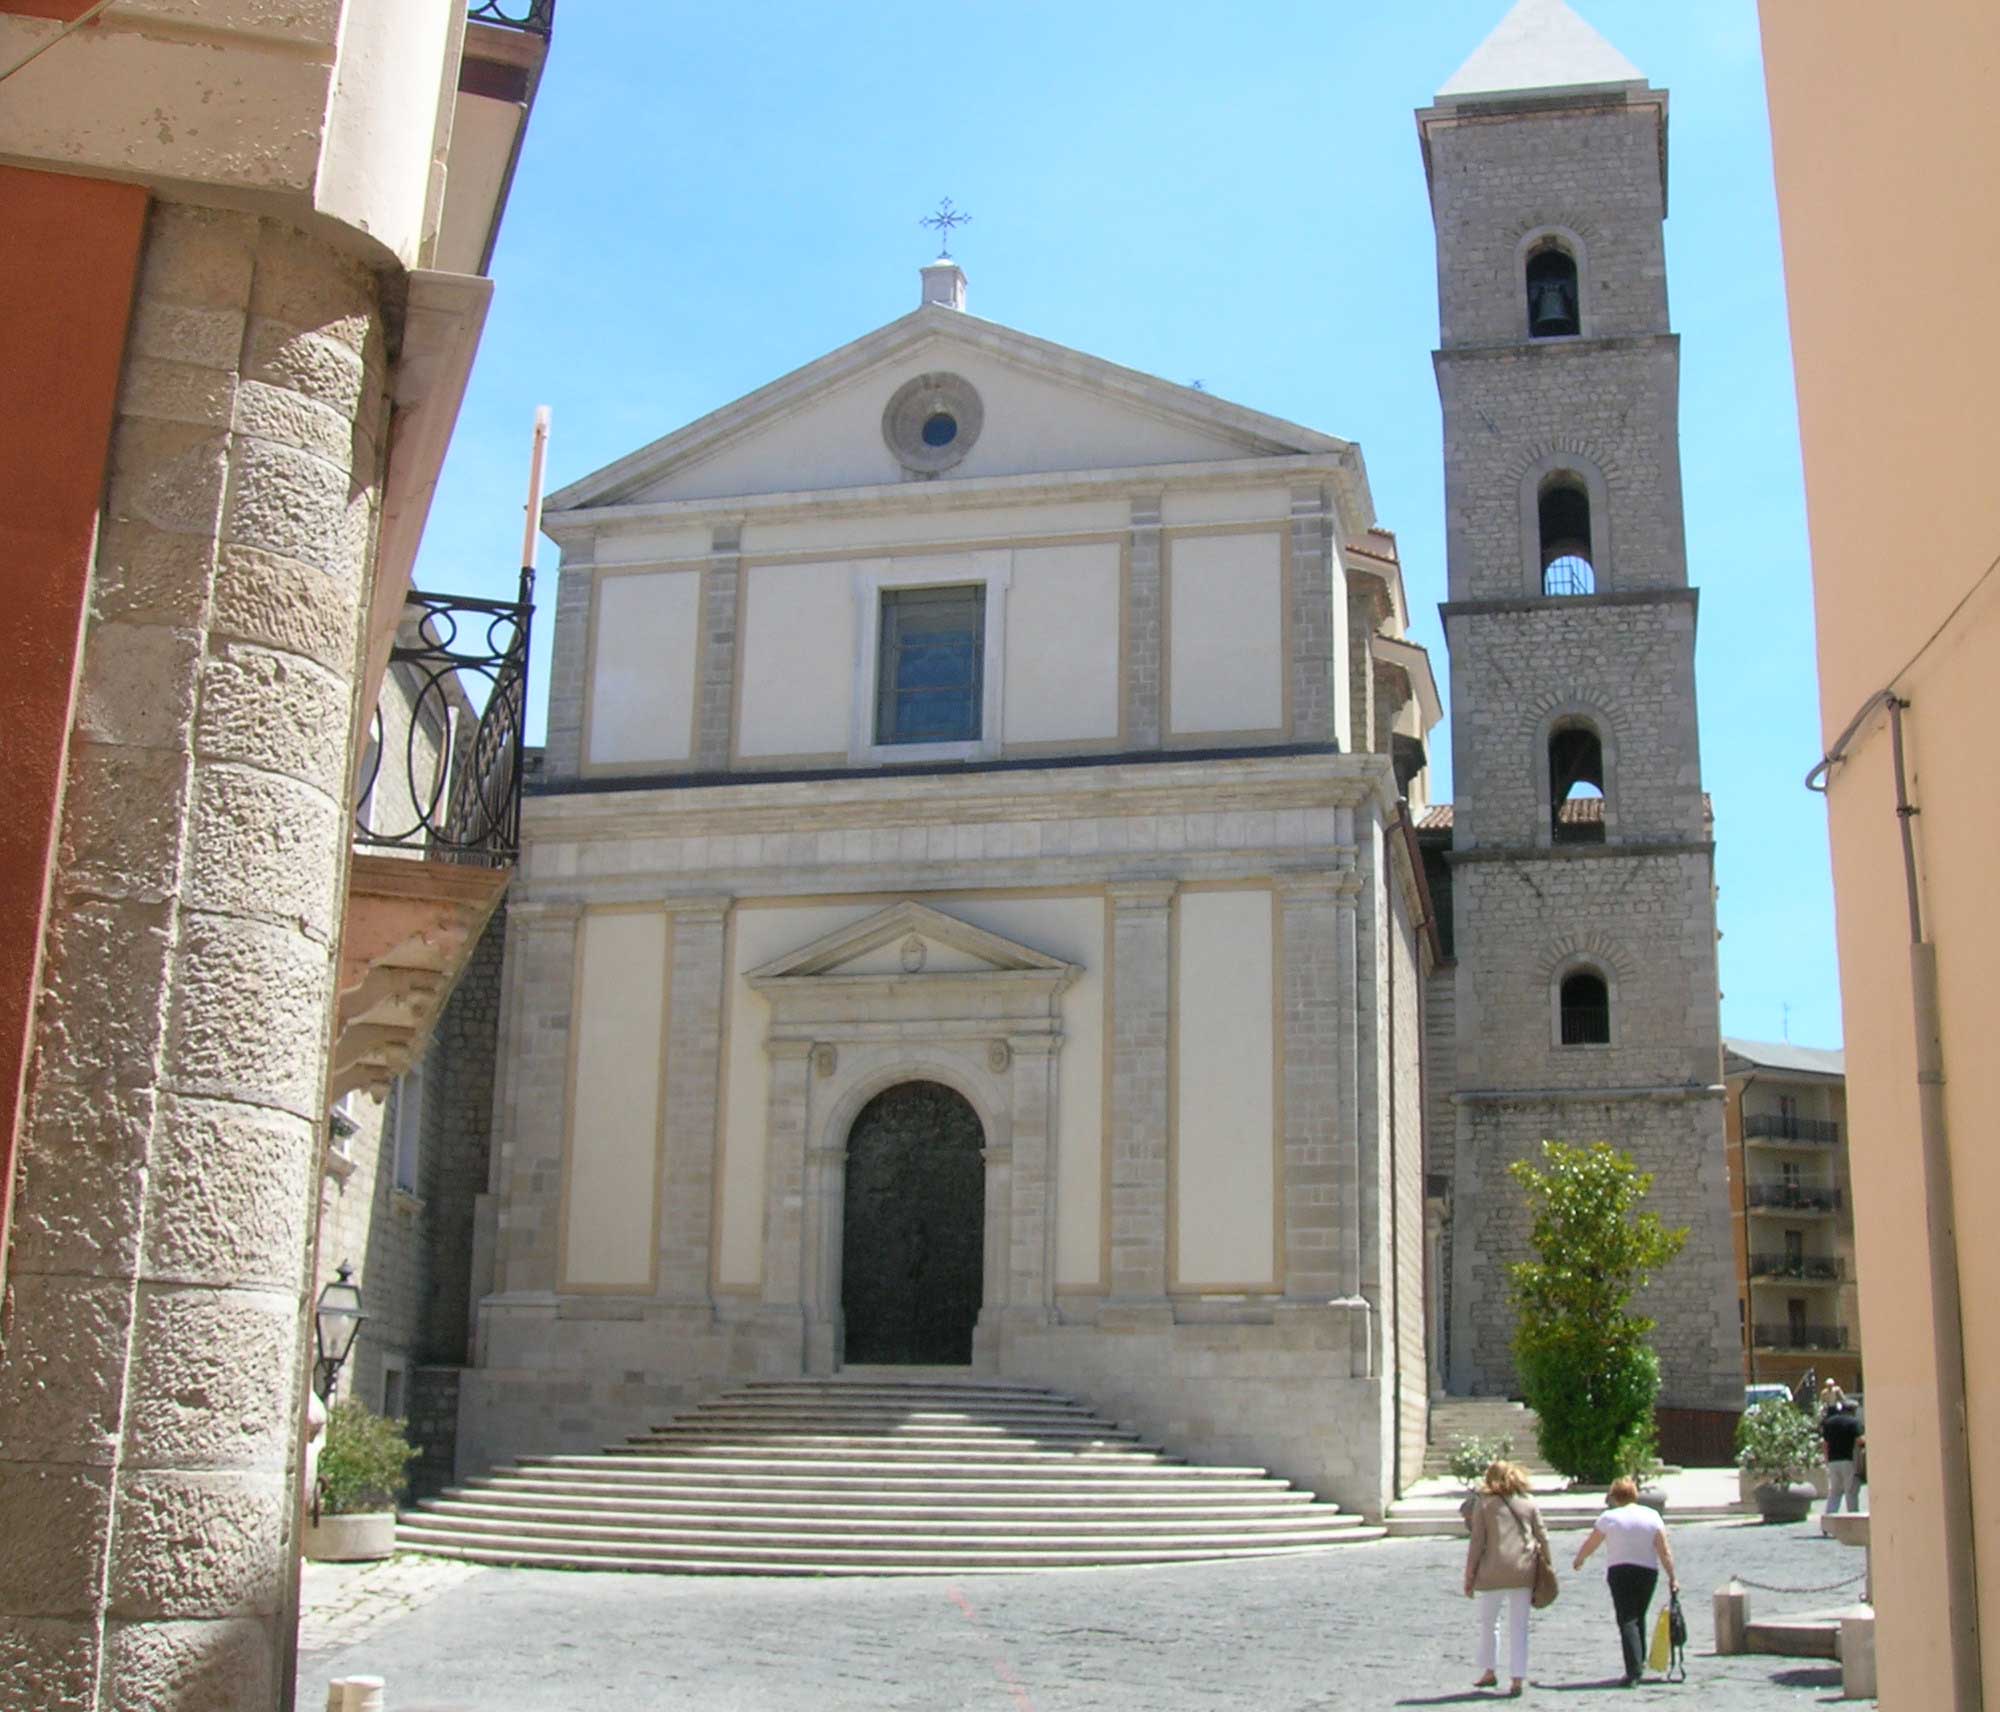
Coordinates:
1540	44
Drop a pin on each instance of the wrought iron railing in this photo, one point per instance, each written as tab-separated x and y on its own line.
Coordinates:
1586	1025
1793	1197
461	765
537	17
1801	1268
1779	1126
1800	1337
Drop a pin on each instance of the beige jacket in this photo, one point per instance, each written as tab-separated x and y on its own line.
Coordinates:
1502	1552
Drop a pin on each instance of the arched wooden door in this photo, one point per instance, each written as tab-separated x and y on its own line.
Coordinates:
913	1231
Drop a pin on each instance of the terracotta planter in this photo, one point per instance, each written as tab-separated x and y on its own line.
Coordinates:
351	1539
1791	1501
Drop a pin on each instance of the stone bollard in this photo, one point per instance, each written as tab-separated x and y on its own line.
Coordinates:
1732	1617
354	1694
1857	1657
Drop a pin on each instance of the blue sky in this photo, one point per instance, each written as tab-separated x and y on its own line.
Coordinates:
714	194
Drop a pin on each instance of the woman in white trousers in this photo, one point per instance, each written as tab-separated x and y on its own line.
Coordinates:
1507	1535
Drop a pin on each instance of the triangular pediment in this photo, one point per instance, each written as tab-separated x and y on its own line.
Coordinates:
909	941
1045	408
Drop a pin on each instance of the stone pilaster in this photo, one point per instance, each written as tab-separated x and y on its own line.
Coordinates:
1322	1243
1145	599
1141	982
715	706
1313	571
785	1174
1031	1227
1360	598
151	1386
694	1097
540	1004
576	581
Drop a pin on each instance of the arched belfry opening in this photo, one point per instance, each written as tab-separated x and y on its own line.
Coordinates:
1562	514
1552	294
913	1228
1576	784
1584	1006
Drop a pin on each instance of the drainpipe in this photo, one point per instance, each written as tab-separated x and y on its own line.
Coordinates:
1947	1313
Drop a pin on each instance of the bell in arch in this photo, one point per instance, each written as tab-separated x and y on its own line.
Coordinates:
1551	295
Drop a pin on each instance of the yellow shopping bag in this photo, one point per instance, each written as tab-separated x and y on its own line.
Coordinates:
1663	1642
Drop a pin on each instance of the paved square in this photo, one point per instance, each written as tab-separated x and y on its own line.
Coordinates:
1357	1629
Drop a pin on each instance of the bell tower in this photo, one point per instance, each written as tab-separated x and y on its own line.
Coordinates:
1583	1001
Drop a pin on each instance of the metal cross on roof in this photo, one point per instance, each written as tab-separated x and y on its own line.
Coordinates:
944	220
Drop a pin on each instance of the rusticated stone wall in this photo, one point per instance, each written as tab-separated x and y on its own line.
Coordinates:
153	1363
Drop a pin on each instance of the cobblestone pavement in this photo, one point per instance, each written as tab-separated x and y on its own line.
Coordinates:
340	1603
1365	1627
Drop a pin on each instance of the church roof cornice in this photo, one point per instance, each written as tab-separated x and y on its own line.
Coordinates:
1260	435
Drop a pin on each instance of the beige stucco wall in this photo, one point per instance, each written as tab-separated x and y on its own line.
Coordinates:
612	1160
641	705
1886	155
1062	644
1225	628
1224	1115
797	673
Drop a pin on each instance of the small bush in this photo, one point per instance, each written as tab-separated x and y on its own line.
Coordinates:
1776	1443
364	1465
1470	1456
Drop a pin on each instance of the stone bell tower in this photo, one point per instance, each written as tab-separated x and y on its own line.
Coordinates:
1583	1003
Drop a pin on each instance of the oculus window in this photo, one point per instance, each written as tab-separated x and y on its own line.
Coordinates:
930	668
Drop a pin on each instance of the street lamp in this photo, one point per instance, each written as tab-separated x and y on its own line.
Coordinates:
336	1323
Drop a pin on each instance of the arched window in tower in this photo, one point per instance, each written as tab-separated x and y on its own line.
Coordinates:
1563	512
1585	1007
1576	784
1552	299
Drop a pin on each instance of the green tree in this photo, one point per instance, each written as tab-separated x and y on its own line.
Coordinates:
1587	1368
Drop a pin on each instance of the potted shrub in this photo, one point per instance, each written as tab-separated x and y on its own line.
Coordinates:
363	1470
1470	1457
1777	1447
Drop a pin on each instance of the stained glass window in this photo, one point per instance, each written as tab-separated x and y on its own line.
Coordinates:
930	673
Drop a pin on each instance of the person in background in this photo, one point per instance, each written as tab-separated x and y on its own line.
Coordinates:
1507	1533
1636	1544
1840	1438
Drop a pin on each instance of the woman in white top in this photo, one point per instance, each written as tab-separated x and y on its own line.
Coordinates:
1635	1540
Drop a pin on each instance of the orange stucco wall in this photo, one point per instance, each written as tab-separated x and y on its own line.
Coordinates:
65	299
1888	170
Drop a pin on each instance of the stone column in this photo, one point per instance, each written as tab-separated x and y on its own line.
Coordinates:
530	1114
715	705
1313	570
1141	977
576	580
153	1377
694	1098
1145	604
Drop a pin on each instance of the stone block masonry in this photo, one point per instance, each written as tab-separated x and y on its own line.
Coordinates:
154	1363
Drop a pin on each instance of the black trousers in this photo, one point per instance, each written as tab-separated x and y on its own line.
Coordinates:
1631	1592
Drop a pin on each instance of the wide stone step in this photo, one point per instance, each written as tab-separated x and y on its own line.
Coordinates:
524	1556
1078	1489
1062	1501
1136	1467
772	1440
884	1420
968	1533
1164	1511
942	1552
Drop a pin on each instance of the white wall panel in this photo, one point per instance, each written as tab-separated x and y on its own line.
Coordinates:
1226	631
798	659
642	685
1062	644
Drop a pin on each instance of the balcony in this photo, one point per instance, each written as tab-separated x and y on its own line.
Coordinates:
537	17
437	825
1783	1197
1787	1131
1797	1269
1790	1337
506	47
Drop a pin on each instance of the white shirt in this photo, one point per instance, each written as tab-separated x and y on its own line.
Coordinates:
1629	1531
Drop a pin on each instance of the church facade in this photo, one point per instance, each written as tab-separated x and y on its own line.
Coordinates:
976	913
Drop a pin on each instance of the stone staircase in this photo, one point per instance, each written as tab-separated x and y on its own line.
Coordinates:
1455	1418
874	1476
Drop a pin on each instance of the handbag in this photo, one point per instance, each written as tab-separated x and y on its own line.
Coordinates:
1677	1632
1546	1587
